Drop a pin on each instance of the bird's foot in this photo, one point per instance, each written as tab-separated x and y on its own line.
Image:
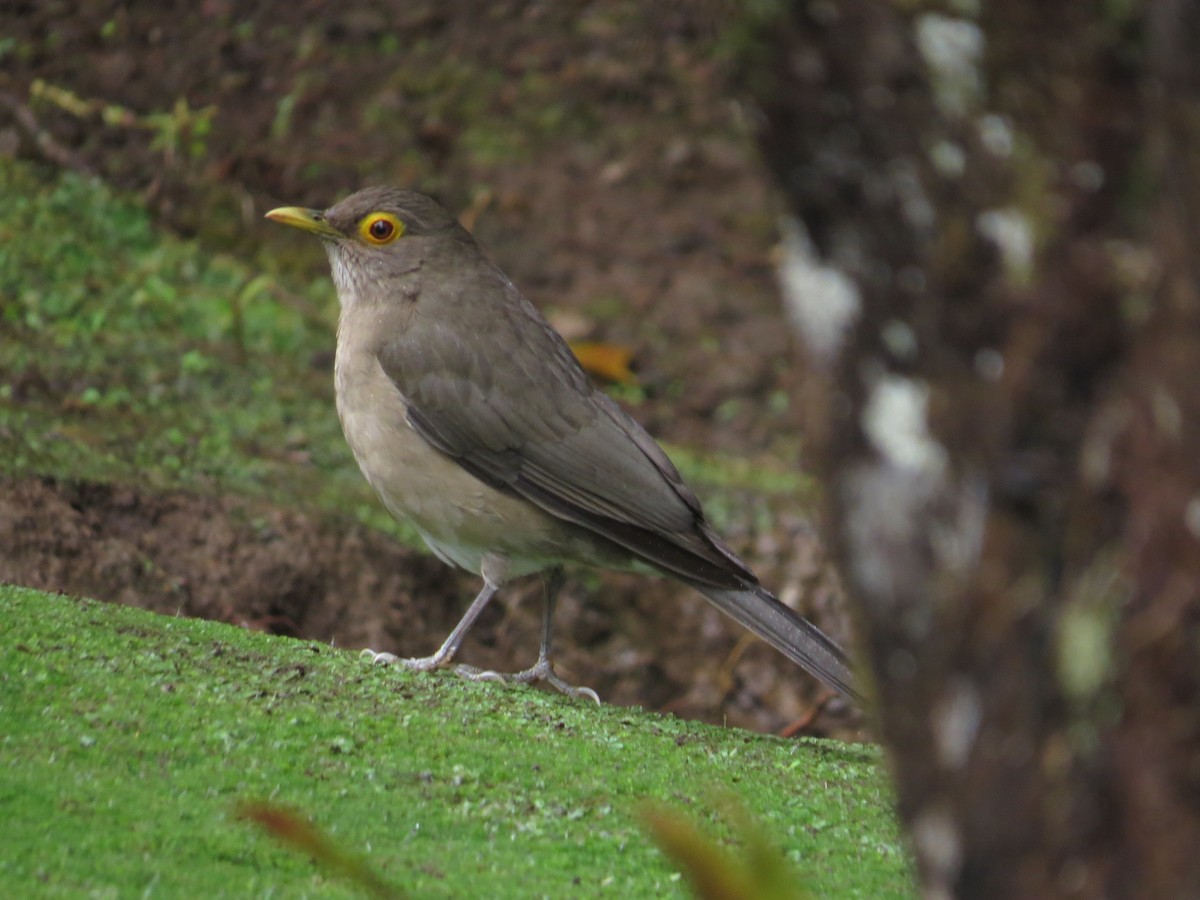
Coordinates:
542	670
417	664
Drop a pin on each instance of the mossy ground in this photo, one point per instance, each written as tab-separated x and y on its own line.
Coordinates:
127	739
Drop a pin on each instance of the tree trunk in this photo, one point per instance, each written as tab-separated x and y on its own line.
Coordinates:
993	263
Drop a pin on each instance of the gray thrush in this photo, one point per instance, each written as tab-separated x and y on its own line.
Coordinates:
473	421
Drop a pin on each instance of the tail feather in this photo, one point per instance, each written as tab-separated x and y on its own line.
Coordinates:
792	635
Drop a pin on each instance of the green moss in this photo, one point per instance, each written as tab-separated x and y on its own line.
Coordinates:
128	739
130	357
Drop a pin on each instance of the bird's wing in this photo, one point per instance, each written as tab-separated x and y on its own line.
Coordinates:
512	405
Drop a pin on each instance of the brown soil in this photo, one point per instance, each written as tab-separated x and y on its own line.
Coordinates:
620	193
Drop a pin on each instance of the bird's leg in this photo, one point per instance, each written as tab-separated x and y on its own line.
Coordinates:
543	669
449	647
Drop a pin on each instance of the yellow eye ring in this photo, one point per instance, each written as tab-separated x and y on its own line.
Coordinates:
380	228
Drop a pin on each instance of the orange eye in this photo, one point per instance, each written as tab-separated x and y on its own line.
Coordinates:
380	228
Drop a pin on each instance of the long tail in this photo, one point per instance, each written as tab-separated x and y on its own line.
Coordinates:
793	636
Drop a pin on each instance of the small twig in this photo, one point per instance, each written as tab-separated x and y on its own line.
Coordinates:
800	725
45	142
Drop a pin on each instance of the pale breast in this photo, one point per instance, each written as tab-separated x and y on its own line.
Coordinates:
460	517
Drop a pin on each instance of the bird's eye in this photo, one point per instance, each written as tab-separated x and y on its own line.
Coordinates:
381	228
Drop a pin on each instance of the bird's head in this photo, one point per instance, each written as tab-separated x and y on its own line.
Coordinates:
374	237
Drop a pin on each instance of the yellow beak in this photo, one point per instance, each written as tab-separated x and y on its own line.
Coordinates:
310	220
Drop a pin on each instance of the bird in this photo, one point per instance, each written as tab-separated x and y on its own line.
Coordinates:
474	422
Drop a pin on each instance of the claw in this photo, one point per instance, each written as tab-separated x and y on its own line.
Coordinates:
380	658
584	692
417	664
471	673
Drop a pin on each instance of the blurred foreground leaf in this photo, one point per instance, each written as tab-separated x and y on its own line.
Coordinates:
758	872
294	830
